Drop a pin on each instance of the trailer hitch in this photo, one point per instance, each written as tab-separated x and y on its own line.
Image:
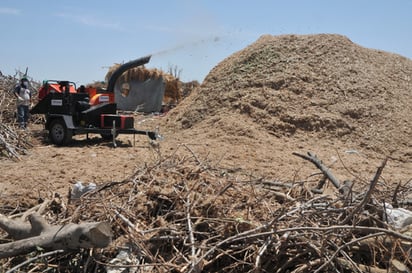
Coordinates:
153	135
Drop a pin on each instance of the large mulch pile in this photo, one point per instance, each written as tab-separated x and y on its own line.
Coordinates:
320	85
187	213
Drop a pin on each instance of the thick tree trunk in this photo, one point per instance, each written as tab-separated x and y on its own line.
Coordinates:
38	233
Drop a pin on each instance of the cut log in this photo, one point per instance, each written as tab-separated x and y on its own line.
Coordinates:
38	233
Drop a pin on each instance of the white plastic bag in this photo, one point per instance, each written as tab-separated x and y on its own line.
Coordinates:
398	217
79	189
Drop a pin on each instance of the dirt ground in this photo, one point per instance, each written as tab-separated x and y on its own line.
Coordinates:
48	169
349	105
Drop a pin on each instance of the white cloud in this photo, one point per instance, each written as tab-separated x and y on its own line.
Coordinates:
9	11
90	21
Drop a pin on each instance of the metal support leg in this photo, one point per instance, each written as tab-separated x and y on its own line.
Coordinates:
114	134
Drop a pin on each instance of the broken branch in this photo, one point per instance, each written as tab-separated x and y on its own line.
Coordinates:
318	163
38	233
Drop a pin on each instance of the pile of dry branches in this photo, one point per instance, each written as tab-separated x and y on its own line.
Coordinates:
7	100
13	141
183	214
173	86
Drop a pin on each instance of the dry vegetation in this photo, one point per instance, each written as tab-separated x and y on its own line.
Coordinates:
13	142
183	214
173	86
225	192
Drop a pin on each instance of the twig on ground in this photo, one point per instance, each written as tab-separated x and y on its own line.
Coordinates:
318	163
11	270
368	194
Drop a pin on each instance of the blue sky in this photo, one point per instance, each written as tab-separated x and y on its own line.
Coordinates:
78	40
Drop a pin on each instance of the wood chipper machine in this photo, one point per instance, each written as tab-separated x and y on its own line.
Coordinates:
72	111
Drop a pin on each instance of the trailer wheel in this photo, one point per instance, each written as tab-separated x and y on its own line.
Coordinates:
58	132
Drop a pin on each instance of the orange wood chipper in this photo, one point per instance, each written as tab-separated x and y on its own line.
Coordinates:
71	111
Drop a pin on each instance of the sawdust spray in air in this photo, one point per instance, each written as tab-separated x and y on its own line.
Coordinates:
196	43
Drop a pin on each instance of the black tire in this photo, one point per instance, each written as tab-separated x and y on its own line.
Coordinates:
58	132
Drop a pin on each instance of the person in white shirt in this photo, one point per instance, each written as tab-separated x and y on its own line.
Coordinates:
23	95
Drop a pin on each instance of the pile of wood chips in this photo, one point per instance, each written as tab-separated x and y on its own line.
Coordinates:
185	214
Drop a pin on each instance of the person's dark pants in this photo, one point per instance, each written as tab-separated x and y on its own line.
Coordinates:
22	115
